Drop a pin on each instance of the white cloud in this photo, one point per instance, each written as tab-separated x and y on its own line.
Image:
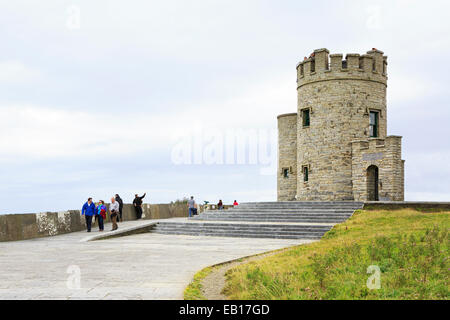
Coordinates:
406	88
40	132
43	132
13	71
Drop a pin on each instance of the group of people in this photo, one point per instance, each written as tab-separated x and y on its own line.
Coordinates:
192	206
99	211
221	207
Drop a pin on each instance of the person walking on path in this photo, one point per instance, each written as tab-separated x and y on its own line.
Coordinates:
191	206
101	214
88	211
235	203
114	209
119	200
137	202
220	205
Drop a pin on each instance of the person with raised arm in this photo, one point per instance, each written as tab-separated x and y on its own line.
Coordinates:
137	202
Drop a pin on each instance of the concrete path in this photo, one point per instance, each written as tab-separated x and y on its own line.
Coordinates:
141	266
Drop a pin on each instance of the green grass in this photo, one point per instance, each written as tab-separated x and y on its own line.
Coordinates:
410	248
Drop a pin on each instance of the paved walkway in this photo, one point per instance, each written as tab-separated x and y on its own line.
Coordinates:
141	266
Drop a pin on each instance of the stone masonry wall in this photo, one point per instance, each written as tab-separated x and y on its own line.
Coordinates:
386	155
339	98
27	226
287	157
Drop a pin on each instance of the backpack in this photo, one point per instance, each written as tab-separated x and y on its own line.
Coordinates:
103	213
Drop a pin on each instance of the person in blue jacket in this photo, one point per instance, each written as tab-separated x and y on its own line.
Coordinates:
88	211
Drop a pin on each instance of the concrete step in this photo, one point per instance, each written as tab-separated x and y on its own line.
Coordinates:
311	207
237	232
300	203
276	217
323	221
247	230
292	208
269	216
247	226
303	209
242	235
276	214
266	220
281	210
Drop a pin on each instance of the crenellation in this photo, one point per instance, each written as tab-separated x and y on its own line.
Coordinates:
335	61
321	60
322	66
366	63
384	72
307	68
352	61
377	60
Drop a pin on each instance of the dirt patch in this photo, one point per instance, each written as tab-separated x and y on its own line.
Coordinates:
213	283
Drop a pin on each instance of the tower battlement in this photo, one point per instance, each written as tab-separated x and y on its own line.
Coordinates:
323	66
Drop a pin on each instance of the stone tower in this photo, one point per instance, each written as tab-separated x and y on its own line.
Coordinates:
335	147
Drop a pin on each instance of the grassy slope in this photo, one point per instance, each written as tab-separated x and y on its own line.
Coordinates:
410	248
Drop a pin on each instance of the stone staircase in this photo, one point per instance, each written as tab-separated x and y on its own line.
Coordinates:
281	220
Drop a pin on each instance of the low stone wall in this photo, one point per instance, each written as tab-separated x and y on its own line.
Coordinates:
395	205
35	225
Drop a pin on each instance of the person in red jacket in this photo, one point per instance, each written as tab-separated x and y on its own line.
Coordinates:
101	214
235	203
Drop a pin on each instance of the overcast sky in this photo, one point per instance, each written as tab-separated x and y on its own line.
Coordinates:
104	97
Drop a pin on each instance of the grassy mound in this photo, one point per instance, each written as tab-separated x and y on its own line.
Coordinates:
407	250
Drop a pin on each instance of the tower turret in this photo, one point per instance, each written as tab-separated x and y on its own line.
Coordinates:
287	157
338	98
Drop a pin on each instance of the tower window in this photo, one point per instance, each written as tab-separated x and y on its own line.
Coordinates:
305	173
305	117
301	69
373	124
285	173
344	64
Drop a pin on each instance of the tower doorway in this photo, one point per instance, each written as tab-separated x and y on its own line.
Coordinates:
372	183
